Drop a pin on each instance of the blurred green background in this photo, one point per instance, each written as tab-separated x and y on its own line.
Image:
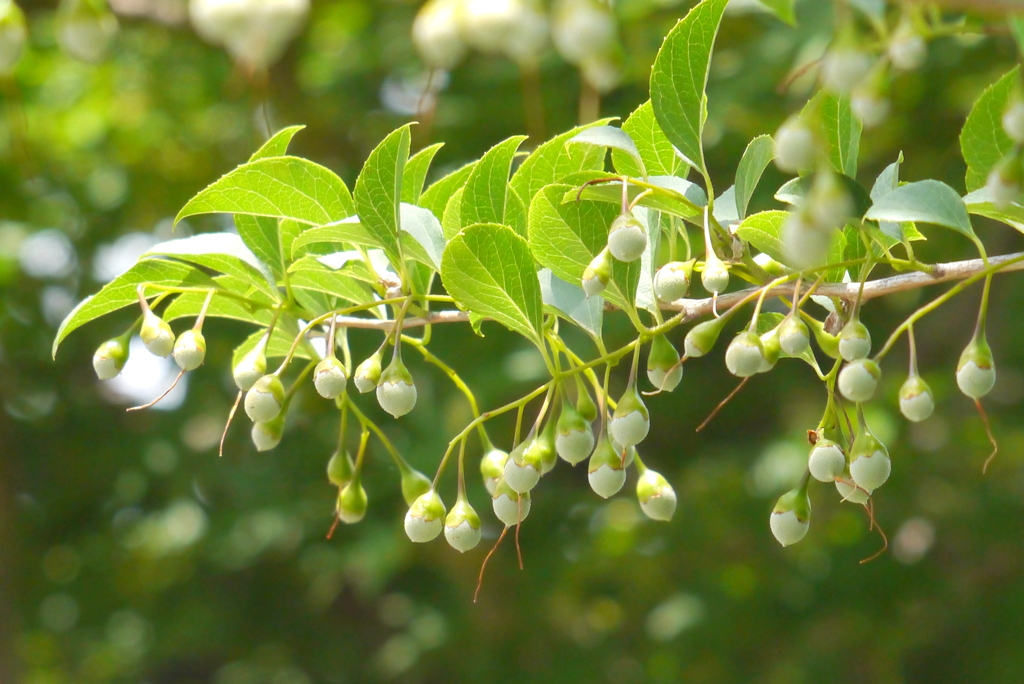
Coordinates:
130	553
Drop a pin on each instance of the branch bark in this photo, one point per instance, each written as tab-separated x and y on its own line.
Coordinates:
698	308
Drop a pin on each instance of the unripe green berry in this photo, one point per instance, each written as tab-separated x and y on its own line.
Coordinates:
854	341
367	374
492	468
771	351
605	470
827	342
597	274
702	337
916	400
425	518
859	379
396	392
631	421
585	405
869	461
1013	121
545	444
663	368
976	370
672	281
791	517
744	355
656	496
510	507
109	359
190	350
794	338
414	485
575	440
329	378
794	146
627	238
157	335
462	527
340	469
352	502
523	468
266	398
267	436
715	276
251	368
826	461
849	492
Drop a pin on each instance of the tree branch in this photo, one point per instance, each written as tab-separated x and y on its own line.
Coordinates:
698	308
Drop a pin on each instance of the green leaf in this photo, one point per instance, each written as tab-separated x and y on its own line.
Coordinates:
485	197
222	252
983	140
451	223
886	182
841	129
571	302
281	187
489	271
425	230
979	203
309	274
679	77
612	138
927	201
783	9
670	194
333	235
764	232
637	277
755	160
436	197
261	235
657	152
277	146
416	173
190	304
121	292
378	192
552	161
279	344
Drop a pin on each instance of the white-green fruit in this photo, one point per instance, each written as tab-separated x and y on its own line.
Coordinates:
509	506
916	400
264	401
109	359
597	274
396	392
329	378
907	50
826	461
849	492
870	107
462	527
976	370
656	496
575	446
745	355
492	468
425	518
352	502
435	33
665	381
85	29
794	146
254	32
606	480
829	204
157	335
583	30
367	374
13	35
788	528
854	341
803	243
414	485
631	421
794	338
870	470
340	469
843	68
190	350
266	436
251	368
1013	121
672	281
859	380
664	369
715	276
627	238
523	467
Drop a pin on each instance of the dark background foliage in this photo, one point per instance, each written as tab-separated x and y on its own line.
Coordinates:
130	553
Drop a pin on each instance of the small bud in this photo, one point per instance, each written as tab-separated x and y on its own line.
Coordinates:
672	281
907	49
329	378
771	351
266	398
109	359
340	469
575	440
854	341
976	370
1013	121
826	461
598	273
545	444
492	468
352	502
850	492
509	506
631	421
794	338
605	471
827	342
627	238
251	368
367	374
396	392
425	518
791	517
157	335
523	468
663	368
267	436
744	355
715	276
843	68
656	496
702	337
190	350
414	485
585	405
462	527
916	400
859	379
794	146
